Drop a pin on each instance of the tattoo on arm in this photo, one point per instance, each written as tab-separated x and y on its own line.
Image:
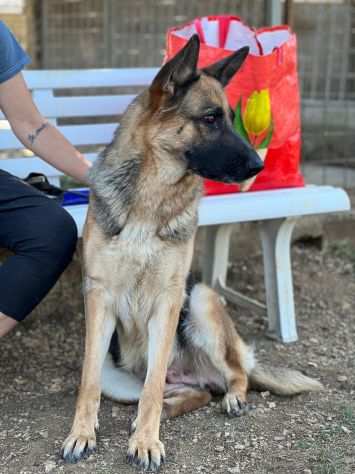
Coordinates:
32	136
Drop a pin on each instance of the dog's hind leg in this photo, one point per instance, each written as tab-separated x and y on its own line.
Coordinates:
211	330
183	399
180	399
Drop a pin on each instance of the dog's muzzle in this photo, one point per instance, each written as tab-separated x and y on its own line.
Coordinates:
254	164
229	159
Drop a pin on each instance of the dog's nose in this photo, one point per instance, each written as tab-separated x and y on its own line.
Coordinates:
255	165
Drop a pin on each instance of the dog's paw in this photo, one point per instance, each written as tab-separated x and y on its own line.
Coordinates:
234	406
78	447
145	452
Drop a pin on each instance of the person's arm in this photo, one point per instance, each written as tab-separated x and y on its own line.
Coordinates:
36	133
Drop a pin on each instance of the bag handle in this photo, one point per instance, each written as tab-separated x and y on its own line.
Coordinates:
199	29
223	27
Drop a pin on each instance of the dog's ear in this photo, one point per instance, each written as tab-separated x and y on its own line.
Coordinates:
225	69
179	71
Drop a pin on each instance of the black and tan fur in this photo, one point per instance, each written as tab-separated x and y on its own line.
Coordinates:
177	345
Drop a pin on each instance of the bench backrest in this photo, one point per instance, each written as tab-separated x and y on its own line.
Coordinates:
84	104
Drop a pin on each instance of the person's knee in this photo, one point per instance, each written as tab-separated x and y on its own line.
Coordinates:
64	242
57	239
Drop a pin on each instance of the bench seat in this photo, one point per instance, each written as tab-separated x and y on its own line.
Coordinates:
257	206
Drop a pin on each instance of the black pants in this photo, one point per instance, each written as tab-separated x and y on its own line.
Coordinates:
42	236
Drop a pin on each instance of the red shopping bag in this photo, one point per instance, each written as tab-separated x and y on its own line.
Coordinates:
264	93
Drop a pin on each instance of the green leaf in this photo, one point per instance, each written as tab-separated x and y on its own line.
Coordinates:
238	122
265	143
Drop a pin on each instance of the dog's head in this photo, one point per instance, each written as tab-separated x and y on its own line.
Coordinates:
195	120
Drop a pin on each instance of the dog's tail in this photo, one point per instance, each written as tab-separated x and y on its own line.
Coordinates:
118	384
282	381
279	380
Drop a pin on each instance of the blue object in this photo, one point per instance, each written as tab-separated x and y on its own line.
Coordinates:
73	197
12	57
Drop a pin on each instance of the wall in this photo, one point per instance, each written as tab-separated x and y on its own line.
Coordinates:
24	25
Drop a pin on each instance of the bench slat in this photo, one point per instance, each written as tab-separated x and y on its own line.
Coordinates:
273	204
95	134
80	106
62	79
86	106
260	205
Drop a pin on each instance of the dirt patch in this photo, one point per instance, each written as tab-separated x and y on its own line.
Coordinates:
40	369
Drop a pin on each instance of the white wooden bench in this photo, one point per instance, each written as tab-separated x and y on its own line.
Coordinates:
275	211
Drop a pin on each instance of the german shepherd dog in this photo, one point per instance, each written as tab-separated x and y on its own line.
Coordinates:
175	343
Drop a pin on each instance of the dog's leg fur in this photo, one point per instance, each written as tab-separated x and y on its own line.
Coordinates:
145	449
184	399
212	331
100	324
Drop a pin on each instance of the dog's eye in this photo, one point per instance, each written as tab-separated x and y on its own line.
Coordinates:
210	118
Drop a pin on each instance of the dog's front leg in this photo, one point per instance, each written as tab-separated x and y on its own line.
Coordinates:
100	324
145	449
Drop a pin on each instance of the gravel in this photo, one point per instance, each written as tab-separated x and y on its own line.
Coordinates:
309	434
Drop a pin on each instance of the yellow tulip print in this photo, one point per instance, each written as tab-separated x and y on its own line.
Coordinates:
255	125
255	122
257	114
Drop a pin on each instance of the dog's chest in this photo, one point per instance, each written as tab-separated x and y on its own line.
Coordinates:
135	247
135	265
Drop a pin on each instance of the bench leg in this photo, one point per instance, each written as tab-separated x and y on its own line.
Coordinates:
215	267
276	244
216	253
